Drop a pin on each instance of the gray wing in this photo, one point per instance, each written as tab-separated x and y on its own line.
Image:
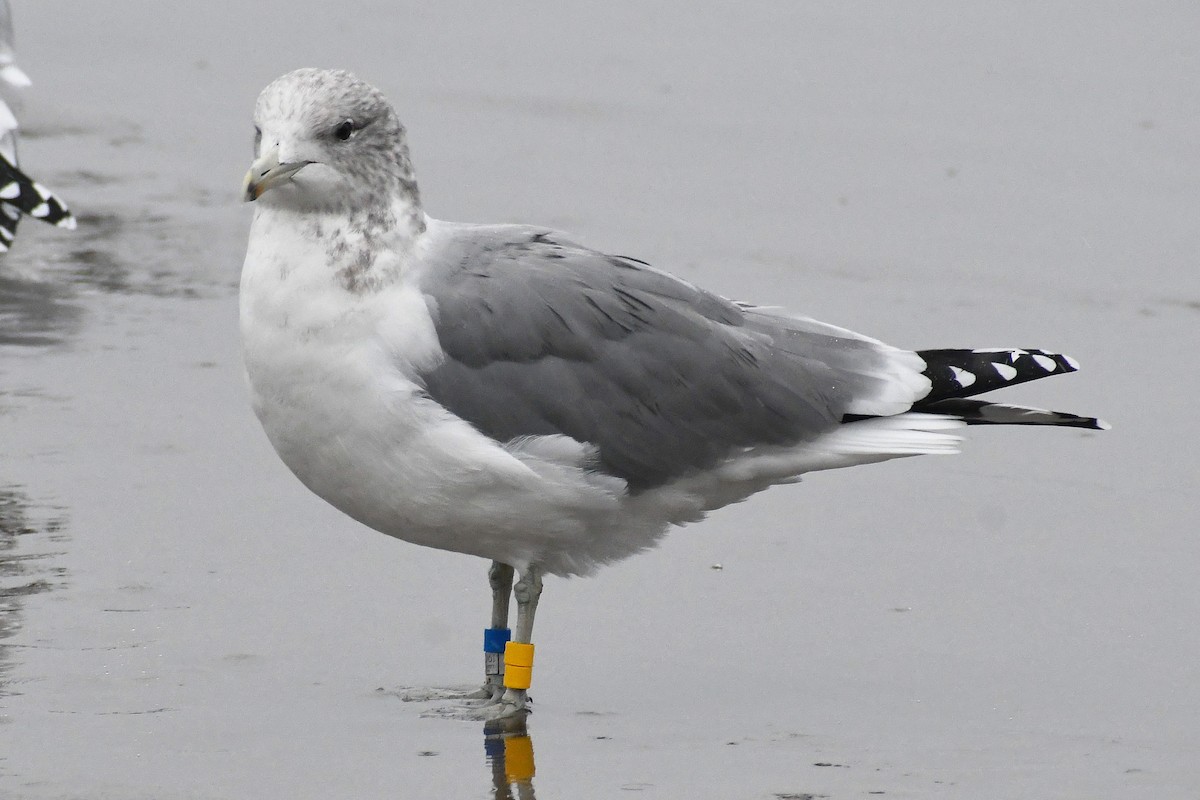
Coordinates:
543	336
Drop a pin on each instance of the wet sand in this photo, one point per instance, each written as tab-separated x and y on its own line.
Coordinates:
179	618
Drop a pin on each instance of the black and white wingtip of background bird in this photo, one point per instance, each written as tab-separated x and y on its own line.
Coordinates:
20	194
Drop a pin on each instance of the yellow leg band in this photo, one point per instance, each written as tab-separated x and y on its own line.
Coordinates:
518	665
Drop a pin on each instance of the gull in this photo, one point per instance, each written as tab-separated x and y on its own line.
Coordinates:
503	392
19	194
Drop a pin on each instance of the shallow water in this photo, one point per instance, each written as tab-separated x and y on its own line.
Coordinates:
180	619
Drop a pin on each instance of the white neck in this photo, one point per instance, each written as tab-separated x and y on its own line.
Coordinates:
361	252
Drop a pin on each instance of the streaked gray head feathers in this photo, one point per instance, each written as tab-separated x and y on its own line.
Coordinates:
332	118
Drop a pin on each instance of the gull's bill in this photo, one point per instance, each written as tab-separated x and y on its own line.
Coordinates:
267	172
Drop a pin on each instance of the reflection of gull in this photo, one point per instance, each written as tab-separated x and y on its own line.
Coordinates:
501	391
510	755
18	192
26	566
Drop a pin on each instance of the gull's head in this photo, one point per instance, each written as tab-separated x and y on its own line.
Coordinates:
325	140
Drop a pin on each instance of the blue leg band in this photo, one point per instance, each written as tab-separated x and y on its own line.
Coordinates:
494	641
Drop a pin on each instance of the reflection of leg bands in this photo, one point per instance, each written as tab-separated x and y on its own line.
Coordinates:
518	665
494	640
518	759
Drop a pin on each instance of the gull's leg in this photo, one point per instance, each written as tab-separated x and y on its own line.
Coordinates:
518	655
527	592
500	576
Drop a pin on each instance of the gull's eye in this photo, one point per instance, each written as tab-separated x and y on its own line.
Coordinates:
257	139
345	130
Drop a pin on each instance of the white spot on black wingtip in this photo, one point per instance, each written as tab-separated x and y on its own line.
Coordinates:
1072	363
1101	425
1045	362
963	377
1005	371
11	191
10	211
1012	352
40	210
42	191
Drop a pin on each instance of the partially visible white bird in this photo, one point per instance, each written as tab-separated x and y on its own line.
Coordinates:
19	194
501	391
10	73
13	75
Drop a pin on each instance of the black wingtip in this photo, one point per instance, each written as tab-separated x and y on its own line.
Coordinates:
964	373
983	412
20	194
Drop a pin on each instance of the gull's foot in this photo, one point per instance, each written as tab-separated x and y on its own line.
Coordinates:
490	692
425	694
484	693
514	703
489	703
493	688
